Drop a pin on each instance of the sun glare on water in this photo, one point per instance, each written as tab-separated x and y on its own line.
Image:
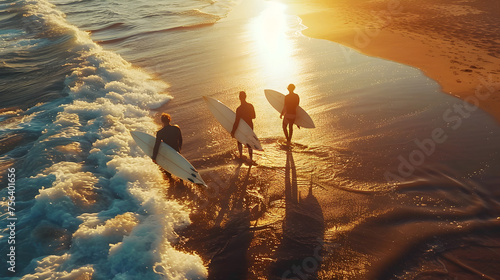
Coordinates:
274	45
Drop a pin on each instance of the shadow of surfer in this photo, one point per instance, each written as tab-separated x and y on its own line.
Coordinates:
230	258
298	255
234	190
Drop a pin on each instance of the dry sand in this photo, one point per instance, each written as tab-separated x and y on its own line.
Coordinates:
455	43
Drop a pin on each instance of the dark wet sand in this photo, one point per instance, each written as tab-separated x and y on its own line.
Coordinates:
256	222
264	222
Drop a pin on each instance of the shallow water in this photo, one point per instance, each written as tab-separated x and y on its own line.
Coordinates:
376	121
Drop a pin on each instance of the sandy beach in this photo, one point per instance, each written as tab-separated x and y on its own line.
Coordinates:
91	204
283	220
456	44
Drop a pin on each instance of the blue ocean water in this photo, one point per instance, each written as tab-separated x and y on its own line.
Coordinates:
77	76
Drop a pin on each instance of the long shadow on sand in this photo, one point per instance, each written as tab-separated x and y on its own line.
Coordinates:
220	231
298	255
230	260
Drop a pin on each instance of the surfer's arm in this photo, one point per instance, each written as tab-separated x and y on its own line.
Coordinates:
180	140
156	147
235	125
236	121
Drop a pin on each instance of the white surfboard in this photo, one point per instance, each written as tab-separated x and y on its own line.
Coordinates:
226	117
277	100
168	158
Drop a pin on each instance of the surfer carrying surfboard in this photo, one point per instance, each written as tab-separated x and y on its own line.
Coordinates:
289	112
245	112
170	134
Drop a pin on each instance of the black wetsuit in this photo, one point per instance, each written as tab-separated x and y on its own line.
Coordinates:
291	102
171	135
245	112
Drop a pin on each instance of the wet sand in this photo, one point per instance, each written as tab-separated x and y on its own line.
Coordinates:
456	44
256	222
323	210
278	222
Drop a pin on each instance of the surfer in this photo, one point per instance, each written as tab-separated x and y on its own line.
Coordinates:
289	112
170	134
246	112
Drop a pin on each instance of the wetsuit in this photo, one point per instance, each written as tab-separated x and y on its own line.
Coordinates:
245	112
171	135
290	109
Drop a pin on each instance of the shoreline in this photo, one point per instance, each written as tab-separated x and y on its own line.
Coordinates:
455	45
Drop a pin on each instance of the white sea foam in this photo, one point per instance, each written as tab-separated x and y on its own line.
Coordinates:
48	266
92	180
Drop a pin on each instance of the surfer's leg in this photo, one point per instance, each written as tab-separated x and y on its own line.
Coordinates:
250	153
240	149
290	126
284	128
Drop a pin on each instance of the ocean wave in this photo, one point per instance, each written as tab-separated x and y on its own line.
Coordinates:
109	27
73	2
184	27
199	13
89	203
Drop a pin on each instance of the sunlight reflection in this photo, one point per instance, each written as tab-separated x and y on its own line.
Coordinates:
273	43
